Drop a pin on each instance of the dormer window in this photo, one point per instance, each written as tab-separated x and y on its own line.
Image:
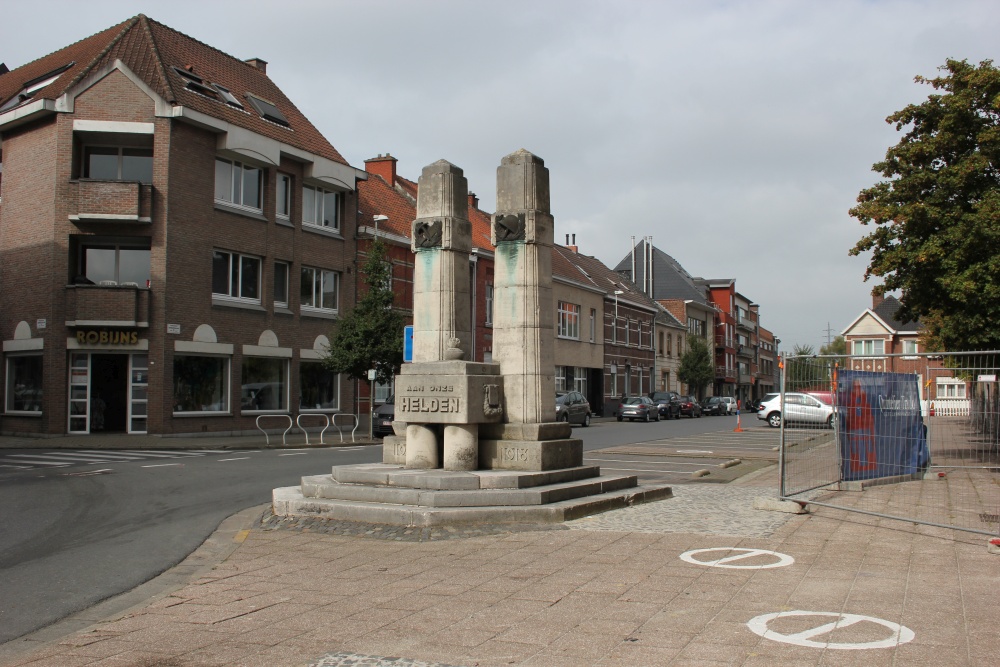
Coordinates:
267	110
32	87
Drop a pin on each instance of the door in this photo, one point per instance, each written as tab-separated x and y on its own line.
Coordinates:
109	400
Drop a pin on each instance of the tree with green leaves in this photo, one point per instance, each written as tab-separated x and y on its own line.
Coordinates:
696	370
371	335
838	347
937	214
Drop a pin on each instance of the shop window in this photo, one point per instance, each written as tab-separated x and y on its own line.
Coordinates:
319	389
265	385
24	384
117	163
201	384
238	184
320	208
318	289
236	276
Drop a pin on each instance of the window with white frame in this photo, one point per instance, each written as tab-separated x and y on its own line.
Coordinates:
281	284
319	389
283	197
560	378
319	289
238	184
489	303
383	390
593	324
580	380
950	388
909	347
628	331
568	324
236	276
24	383
869	348
320	208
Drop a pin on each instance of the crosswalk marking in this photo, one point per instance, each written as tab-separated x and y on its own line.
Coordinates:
61	459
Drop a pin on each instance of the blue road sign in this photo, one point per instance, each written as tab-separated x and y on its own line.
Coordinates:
408	343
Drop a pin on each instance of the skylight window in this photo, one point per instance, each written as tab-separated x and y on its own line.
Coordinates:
33	86
268	111
228	96
196	83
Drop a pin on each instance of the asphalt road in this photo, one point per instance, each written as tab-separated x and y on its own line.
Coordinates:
71	536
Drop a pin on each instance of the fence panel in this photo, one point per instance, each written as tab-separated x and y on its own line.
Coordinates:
912	437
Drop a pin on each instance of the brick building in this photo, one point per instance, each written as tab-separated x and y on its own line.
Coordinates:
176	241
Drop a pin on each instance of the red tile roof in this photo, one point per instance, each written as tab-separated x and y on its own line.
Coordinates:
151	50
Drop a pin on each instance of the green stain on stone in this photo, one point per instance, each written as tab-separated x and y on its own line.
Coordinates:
511	255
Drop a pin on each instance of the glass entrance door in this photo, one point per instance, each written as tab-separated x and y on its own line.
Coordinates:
79	392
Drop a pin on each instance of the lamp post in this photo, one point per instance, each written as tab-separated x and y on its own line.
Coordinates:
379	218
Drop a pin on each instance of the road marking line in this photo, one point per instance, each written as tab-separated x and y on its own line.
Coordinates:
238	458
347	449
241	536
162	465
676	463
695	451
44	463
4	465
295	454
679	472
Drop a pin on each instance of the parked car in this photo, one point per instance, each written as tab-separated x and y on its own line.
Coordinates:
667	403
689	406
730	404
764	399
573	407
714	405
799	408
638	407
382	419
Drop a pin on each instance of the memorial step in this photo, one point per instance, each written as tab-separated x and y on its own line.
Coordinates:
289	501
324	486
388	474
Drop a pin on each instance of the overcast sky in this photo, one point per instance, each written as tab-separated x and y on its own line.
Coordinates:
736	134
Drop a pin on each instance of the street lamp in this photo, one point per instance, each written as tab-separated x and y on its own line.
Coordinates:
379	218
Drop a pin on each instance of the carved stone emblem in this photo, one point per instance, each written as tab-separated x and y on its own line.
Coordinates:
509	227
427	234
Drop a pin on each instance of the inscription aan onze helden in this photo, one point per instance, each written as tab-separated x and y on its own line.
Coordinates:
429	404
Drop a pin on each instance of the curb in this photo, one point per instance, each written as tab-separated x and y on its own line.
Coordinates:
216	548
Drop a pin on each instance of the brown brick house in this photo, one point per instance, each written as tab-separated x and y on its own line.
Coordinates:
176	241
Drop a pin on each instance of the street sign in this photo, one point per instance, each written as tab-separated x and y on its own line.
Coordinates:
408	343
371	374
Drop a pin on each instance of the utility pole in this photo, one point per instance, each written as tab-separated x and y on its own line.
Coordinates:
828	332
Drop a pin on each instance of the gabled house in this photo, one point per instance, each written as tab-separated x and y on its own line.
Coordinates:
176	241
877	333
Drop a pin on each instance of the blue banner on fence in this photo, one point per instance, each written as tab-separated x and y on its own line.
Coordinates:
881	430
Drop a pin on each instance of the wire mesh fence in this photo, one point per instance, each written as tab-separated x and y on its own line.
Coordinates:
914	437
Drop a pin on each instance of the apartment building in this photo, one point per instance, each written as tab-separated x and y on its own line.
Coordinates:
176	242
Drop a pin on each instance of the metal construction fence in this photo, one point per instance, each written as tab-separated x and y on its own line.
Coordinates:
912	437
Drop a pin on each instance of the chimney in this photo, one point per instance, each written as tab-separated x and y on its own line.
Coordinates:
258	63
473	200
384	166
877	300
572	246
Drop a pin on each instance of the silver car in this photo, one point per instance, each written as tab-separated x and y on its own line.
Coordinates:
799	408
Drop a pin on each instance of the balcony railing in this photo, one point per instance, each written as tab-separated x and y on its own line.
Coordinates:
110	201
724	341
725	373
747	324
107	306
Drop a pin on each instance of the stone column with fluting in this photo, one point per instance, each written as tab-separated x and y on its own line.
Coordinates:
523	342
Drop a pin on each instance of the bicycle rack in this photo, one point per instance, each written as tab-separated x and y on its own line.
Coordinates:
298	422
357	420
268	440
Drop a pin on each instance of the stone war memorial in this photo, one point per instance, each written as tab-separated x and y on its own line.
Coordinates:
475	442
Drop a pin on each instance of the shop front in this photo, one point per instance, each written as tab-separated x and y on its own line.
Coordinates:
108	384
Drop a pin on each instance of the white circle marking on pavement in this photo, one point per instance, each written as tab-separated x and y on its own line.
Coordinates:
900	634
727	561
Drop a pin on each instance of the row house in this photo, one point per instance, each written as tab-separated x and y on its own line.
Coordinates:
713	310
176	241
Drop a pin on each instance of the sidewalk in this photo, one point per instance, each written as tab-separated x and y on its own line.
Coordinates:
606	590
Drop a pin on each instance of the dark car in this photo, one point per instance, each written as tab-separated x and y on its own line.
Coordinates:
573	407
638	407
689	406
666	403
714	405
382	419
